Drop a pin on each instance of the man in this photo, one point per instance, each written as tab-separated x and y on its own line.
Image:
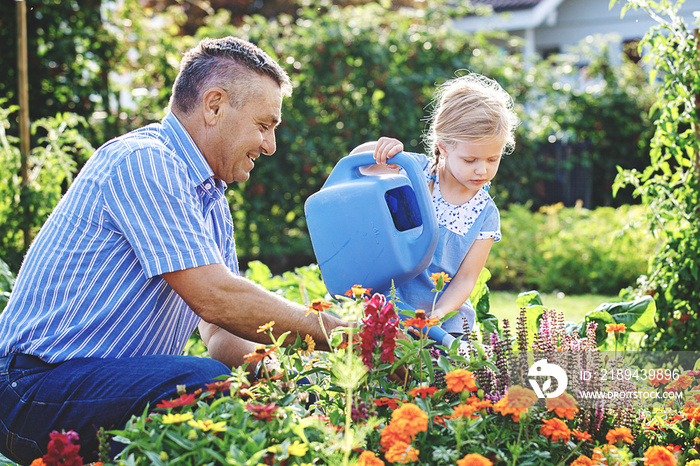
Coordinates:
138	252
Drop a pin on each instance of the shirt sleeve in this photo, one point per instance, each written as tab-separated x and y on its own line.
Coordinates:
491	228
150	200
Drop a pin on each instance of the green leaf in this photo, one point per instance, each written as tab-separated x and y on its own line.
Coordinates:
528	298
428	360
637	315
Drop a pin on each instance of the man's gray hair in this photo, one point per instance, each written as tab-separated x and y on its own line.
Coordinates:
230	63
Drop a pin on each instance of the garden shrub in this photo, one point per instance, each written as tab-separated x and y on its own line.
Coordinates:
51	165
670	185
573	250
359	72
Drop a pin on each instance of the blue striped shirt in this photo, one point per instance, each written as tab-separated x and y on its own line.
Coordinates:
144	204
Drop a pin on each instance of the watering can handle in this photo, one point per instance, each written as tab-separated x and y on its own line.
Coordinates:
348	168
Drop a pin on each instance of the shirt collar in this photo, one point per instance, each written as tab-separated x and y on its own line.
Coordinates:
199	169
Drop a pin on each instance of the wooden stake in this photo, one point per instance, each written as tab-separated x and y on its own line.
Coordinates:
23	95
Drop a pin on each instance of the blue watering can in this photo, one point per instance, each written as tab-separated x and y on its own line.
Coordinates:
370	229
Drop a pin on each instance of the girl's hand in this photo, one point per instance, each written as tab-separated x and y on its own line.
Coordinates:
386	148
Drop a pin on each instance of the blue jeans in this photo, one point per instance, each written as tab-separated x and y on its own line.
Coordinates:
85	394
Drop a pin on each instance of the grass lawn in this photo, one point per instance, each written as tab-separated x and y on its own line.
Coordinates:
574	307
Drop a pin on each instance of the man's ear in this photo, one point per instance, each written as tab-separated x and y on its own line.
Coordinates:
213	104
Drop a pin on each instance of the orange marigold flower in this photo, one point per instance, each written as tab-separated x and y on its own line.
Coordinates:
681	383
621	434
657	455
523	398
563	406
659	377
460	379
474	459
410	419
555	429
583	461
582	436
357	291
392	434
423	392
462	410
520	397
614	328
368	458
692	414
479	403
402	453
318	306
38	462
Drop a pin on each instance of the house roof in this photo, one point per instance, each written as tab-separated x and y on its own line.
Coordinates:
509	5
512	15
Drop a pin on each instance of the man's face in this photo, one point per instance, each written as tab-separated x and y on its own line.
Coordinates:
241	135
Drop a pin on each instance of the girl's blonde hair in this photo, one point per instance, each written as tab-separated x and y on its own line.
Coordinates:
471	108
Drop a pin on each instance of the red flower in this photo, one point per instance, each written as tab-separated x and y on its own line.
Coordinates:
392	403
219	386
420	320
379	330
184	400
63	450
423	392
262	412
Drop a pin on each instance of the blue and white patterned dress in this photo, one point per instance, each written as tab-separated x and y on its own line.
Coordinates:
459	226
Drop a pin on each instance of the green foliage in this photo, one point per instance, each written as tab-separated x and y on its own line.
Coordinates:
7	282
51	165
670	185
68	56
302	285
637	315
595	116
573	250
359	73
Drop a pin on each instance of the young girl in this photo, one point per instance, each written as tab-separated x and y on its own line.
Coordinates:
471	127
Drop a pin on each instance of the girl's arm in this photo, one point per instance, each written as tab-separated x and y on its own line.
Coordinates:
462	284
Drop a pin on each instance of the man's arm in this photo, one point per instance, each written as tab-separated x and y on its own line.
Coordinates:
240	306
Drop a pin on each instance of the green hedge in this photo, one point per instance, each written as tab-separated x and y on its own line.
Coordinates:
573	250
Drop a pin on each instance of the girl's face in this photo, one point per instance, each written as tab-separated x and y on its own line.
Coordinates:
472	165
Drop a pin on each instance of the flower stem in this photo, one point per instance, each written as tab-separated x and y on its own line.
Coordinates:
348	410
325	334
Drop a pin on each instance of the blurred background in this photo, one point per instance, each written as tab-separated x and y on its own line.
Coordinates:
361	69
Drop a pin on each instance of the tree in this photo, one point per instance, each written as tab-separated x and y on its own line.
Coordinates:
670	185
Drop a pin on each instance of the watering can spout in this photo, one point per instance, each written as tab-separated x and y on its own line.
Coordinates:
372	230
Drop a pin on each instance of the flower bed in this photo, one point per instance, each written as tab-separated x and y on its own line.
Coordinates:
378	399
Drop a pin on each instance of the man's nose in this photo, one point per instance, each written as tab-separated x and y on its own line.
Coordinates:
269	145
